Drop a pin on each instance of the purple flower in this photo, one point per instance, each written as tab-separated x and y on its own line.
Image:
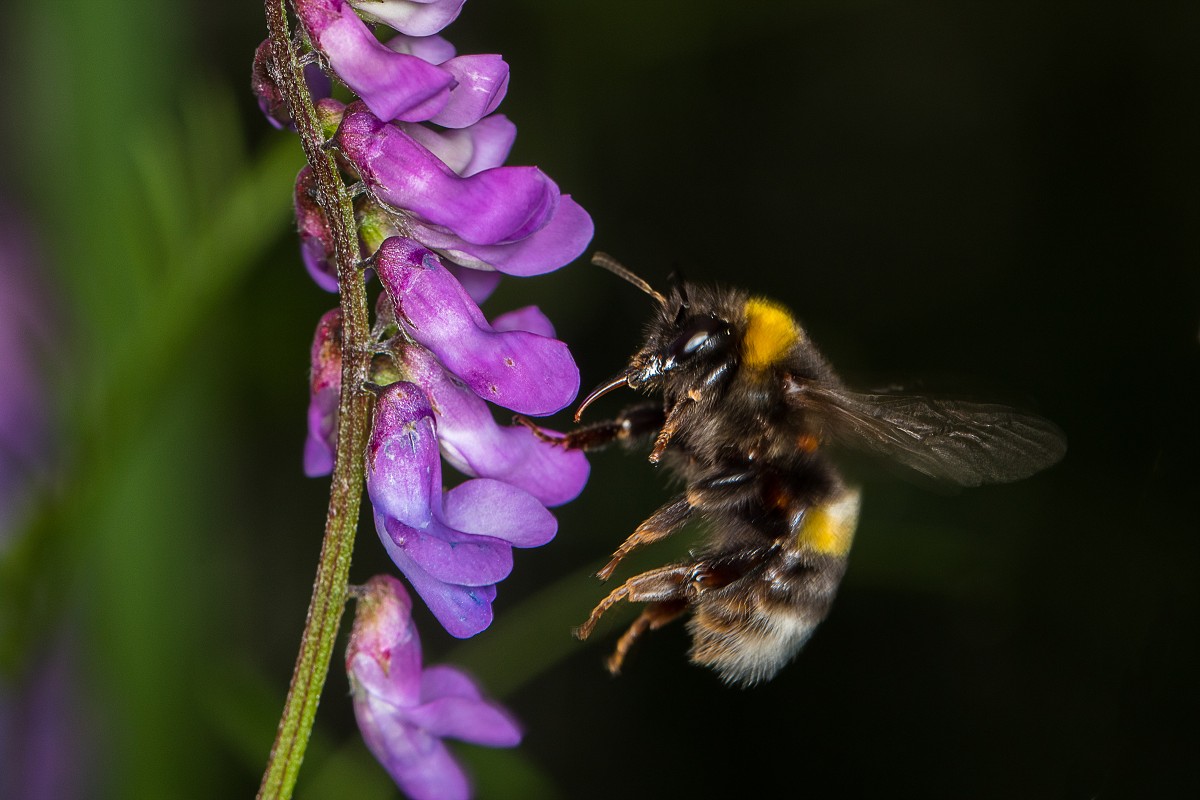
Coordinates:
403	710
474	444
325	386
561	241
316	242
497	205
414	17
479	283
521	371
481	81
393	85
270	98
453	546
467	150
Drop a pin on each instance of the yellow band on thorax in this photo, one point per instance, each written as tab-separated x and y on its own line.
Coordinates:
770	333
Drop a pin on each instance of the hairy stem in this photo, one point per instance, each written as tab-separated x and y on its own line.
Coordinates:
354	410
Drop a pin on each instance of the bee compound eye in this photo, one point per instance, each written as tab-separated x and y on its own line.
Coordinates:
695	334
693	344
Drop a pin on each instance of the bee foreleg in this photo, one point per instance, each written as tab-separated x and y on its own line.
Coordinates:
660	525
631	425
652	618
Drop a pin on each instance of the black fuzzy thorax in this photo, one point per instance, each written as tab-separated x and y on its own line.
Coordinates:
736	447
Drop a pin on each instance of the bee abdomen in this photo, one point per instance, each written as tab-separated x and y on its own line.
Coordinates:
746	648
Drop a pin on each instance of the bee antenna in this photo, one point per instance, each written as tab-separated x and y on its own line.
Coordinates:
621	271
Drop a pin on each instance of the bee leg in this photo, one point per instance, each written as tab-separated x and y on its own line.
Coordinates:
673	421
631	425
664	584
660	525
652	618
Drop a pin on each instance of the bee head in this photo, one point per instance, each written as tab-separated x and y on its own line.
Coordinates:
691	336
689	340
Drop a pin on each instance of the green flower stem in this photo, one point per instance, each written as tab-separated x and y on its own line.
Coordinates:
354	412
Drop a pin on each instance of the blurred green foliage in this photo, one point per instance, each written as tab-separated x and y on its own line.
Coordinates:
996	199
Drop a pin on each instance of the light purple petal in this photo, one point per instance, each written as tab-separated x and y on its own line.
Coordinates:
393	85
433	49
469	150
446	681
417	760
494	206
452	556
560	242
529	318
482	85
473	442
462	611
521	371
414	17
494	508
404	472
475	721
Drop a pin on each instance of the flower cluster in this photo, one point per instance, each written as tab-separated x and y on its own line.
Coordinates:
405	710
440	220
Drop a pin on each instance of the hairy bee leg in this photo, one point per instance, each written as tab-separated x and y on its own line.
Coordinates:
652	618
658	585
672	424
634	423
660	525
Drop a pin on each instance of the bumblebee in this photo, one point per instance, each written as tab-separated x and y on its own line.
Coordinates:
747	408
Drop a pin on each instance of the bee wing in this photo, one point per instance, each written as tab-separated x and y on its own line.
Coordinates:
964	443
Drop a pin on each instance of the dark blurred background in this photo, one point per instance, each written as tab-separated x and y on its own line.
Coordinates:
989	199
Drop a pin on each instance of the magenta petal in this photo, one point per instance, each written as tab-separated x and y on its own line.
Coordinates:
262	84
325	384
473	442
479	283
393	85
490	207
452	556
462	611
561	241
414	17
529	318
322	433
474	721
469	150
527	373
316	241
497	509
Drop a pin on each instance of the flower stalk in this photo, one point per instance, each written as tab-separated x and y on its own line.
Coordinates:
354	414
